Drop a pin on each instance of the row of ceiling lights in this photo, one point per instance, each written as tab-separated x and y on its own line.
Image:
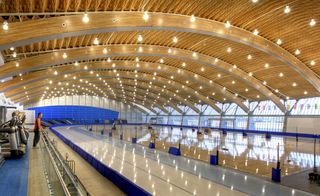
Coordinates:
175	39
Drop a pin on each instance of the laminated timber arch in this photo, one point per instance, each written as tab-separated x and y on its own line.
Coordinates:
124	65
118	93
93	52
176	98
160	81
151	95
35	97
143	84
65	26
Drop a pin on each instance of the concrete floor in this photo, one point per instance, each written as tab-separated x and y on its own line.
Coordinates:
37	183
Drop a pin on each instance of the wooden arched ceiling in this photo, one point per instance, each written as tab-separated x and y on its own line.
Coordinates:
256	68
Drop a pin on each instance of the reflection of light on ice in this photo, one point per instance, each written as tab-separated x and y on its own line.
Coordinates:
144	138
303	159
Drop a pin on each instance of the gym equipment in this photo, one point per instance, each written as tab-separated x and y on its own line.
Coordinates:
16	136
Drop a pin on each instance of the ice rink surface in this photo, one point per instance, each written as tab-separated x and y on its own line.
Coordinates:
160	173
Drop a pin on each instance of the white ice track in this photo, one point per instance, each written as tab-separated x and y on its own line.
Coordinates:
162	174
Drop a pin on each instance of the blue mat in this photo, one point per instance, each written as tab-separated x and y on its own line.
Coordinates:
14	176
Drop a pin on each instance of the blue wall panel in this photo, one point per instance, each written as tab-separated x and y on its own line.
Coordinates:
83	114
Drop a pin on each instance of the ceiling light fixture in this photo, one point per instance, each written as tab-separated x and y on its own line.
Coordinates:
145	16
64	55
192	18
175	39
227	25
85	18
140	38
255	32
96	41
287	10
312	62
5	26
312	22
279	41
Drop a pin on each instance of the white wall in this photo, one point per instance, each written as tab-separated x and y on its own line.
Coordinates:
303	125
125	111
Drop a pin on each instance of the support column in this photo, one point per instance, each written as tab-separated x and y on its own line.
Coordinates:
220	123
182	118
285	122
199	120
248	120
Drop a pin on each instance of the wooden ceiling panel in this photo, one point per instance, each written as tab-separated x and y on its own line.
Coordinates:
267	17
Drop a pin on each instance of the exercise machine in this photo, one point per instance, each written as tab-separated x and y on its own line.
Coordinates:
14	136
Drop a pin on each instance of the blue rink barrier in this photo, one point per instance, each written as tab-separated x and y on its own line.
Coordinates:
134	140
152	145
175	151
213	159
119	180
276	175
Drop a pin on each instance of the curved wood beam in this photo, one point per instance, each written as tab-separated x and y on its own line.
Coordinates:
93	52
128	88
139	95
34	99
118	94
39	84
127	65
161	81
58	27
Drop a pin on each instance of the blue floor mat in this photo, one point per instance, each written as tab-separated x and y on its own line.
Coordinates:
14	176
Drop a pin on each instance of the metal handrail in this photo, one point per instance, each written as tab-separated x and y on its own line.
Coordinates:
65	189
72	165
69	171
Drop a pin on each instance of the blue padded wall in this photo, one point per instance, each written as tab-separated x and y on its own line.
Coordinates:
81	114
